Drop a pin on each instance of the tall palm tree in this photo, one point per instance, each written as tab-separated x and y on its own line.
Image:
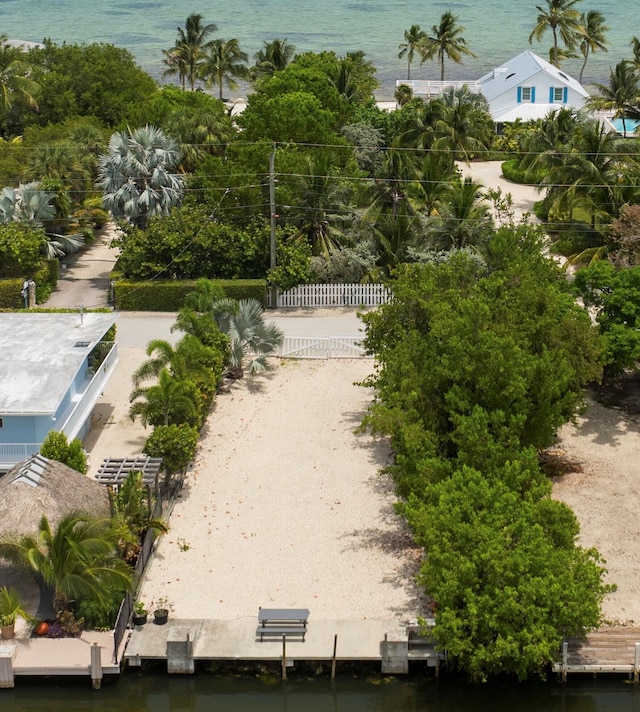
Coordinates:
223	63
592	36
251	339
414	39
15	84
135	175
446	41
635	49
561	17
177	61
622	95
273	57
77	560
192	44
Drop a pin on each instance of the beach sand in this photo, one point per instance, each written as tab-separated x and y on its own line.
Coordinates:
285	507
605	496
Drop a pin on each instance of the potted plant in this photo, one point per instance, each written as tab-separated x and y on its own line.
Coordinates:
11	607
161	611
139	613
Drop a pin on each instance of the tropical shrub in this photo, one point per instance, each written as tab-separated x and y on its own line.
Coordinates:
175	444
56	447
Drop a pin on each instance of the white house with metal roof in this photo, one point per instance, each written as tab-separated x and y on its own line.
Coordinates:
528	88
53	369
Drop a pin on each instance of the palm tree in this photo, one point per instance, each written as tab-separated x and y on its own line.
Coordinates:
28	203
249	335
622	95
446	41
635	49
273	57
200	132
77	560
188	359
135	175
15	84
563	19
414	39
593	174
223	63
192	44
170	401
322	205
592	36
464	126
463	217
177	61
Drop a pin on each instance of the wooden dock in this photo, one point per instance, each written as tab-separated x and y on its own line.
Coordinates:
90	655
607	650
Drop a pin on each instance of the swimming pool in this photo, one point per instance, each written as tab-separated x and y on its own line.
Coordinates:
630	124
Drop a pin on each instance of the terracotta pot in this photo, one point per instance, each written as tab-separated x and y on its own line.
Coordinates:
8	631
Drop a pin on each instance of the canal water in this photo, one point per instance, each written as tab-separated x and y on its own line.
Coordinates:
137	692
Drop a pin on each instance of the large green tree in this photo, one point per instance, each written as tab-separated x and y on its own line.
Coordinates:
274	56
508	339
504	569
96	80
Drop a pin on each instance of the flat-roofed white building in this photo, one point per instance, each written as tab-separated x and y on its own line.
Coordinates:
53	369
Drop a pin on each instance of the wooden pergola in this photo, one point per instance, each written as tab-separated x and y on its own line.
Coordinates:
114	471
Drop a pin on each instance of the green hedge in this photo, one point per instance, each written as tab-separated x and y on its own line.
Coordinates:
169	295
513	171
45	278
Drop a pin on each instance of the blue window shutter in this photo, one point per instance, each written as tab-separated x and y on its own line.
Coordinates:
565	95
519	95
551	95
533	95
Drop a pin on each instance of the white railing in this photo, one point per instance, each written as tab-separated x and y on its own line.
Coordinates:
322	347
85	400
13	453
334	295
426	87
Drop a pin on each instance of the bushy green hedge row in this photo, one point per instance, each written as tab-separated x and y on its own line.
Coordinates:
169	295
45	278
514	171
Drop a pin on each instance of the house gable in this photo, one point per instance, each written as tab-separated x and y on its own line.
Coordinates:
528	87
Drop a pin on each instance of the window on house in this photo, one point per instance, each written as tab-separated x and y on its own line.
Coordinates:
1	423
526	94
557	95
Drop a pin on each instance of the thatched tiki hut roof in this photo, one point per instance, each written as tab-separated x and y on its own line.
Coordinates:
42	486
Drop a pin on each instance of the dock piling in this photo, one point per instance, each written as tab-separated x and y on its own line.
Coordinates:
333	657
96	666
636	664
284	657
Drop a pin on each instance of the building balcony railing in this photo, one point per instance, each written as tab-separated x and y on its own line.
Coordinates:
13	453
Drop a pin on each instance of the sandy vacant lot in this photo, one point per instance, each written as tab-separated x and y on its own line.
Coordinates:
284	507
605	496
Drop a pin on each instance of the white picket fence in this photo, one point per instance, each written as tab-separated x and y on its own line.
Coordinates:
334	295
322	347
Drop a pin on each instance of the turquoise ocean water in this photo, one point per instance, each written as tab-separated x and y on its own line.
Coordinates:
496	30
